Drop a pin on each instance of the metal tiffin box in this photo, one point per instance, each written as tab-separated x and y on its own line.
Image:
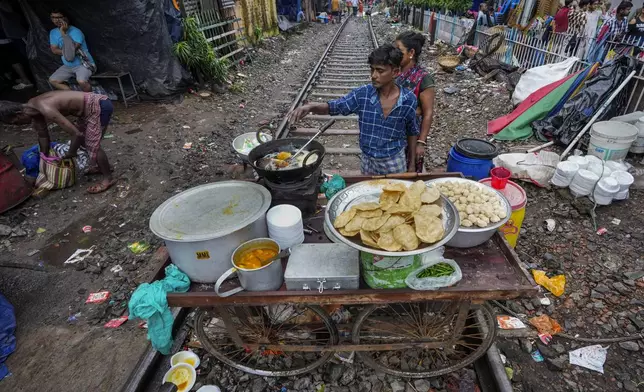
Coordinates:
322	267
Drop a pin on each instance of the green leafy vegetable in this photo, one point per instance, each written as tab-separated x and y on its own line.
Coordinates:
436	271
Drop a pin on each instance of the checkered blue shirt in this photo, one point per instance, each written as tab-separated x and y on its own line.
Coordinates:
616	26
380	137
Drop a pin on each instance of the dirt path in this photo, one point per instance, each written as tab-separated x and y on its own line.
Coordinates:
57	353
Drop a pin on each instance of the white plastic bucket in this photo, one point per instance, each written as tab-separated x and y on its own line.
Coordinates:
610	140
638	144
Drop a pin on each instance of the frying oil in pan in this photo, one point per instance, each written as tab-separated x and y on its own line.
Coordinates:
281	160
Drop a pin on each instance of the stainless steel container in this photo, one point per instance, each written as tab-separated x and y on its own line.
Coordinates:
369	191
267	278
322	267
469	237
238	143
203	225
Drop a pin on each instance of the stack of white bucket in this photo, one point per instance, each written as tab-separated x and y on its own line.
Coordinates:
601	181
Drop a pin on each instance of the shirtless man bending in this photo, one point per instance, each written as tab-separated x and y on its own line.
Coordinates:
93	112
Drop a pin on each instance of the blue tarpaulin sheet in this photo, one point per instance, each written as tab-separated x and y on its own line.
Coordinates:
7	334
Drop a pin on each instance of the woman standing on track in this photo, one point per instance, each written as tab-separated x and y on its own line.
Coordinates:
421	83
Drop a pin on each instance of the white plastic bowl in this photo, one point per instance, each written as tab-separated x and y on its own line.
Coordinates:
624	178
283	216
209	388
191	378
188	357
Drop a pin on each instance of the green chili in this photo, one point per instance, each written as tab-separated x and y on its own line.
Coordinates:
436	271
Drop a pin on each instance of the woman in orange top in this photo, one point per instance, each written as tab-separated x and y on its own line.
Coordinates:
360	8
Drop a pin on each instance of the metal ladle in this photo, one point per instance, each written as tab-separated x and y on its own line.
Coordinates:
321	130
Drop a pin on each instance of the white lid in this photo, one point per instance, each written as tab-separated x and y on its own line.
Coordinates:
568	166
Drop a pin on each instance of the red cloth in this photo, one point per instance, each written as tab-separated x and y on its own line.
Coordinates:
561	20
90	124
495	126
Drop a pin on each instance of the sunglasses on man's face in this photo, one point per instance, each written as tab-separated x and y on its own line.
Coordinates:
57	17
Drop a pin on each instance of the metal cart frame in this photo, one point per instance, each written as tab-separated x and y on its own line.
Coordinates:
401	332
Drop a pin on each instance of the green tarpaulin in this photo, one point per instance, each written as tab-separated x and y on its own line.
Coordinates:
521	128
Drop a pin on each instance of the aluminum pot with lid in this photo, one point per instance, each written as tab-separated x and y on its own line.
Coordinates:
202	226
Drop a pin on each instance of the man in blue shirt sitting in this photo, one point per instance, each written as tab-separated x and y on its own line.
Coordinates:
69	43
386	116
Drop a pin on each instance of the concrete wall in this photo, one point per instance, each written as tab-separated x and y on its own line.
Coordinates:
257	13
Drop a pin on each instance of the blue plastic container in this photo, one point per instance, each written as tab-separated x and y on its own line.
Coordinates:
470	167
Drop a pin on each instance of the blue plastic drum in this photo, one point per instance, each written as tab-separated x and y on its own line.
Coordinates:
472	157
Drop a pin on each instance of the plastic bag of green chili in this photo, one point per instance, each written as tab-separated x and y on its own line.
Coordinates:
434	274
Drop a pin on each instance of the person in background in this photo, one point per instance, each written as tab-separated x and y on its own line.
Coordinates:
576	27
335	11
593	16
68	42
618	25
354	7
635	35
561	18
414	78
12	44
483	18
386	115
593	19
491	15
360	8
93	111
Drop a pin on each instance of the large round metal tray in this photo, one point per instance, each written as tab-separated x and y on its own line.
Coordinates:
490	227
367	191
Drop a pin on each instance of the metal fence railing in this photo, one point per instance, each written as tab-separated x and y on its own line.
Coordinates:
535	47
530	49
452	29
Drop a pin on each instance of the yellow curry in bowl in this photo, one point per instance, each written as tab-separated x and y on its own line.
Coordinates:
256	258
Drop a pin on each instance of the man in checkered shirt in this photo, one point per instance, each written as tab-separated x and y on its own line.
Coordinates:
386	116
618	25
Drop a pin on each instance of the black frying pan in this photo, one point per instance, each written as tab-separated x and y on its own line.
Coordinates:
290	145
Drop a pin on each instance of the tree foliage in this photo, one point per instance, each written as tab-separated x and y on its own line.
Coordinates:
450	5
196	53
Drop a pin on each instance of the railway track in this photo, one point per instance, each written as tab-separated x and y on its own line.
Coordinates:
342	67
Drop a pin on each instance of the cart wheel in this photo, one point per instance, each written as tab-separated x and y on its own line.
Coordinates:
432	322
294	325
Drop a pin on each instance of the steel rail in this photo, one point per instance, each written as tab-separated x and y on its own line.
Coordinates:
300	95
282	130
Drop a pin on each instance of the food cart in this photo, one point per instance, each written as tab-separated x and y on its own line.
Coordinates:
402	332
